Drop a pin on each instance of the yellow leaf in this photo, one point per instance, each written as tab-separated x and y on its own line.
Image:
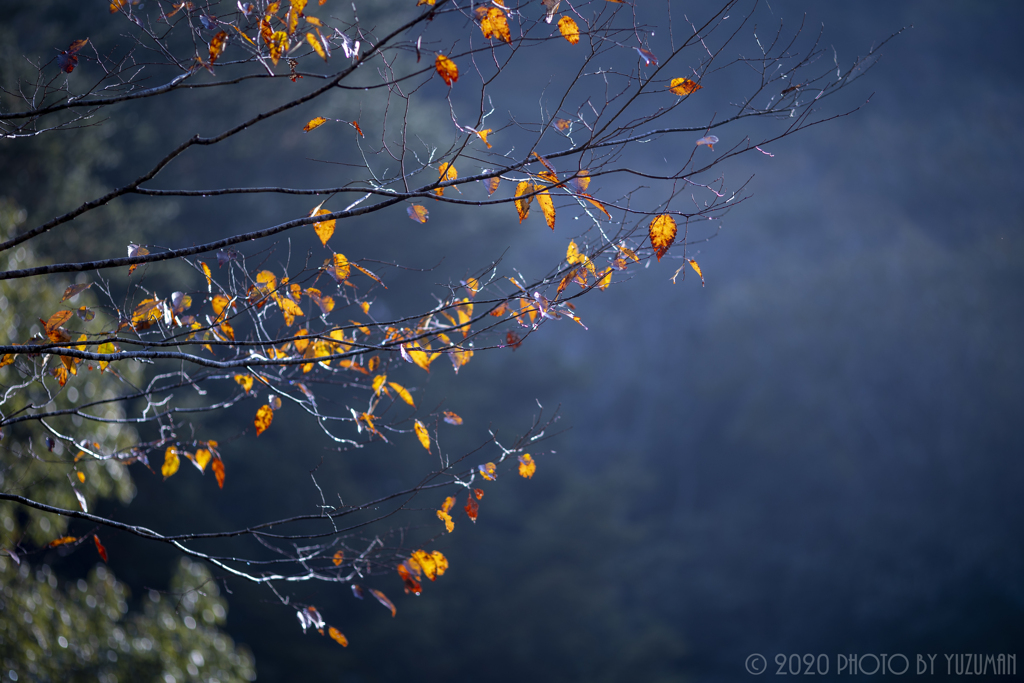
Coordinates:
662	232
572	254
217	44
378	382
451	418
482	134
527	466
447	69
421	358
447	519
171	462
314	123
278	45
684	86
440	562
81	476
264	416
324	229
402	392
693	264
546	205
570	31
449	502
523	205
422	434
418	213
315	42
245	381
425	2
338	636
605	278
487	471
492	184
629	252
203	456
494	25
338	558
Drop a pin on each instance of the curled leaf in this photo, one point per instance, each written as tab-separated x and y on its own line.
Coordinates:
338	558
218	470
314	123
451	418
99	547
684	86
383	599
709	140
61	541
422	434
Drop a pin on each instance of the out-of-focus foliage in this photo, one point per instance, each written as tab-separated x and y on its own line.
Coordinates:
84	631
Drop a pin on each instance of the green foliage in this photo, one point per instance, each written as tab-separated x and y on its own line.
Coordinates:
84	630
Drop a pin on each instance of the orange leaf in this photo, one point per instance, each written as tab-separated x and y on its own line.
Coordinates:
411	584
526	466
218	470
495	25
422	434
451	418
570	31
693	264
684	86
479	493
314	123
355	124
61	541
217	44
338	558
447	519
57	320
487	471
264	416
662	232
418	213
482	134
472	507
338	636
448	503
447	69
324	229
546	205
492	184
447	172
629	252
523	205
99	547
315	44
278	45
171	462
383	599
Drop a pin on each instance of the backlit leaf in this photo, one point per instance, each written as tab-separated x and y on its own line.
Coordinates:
684	86
99	547
709	140
451	418
645	55
337	636
472	507
492	184
217	45
378	382
402	392
527	466
409	579
479	493
315	44
355	124
383	599
264	416
171	462
693	264
203	456
244	381
629	252
495	25
448	503
446	172
570	31
218	470
482	134
447	69
324	229
523	205
662	232
61	541
314	123
278	45
487	471
57	320
338	558
447	519
422	434
67	60
74	290
546	205
418	213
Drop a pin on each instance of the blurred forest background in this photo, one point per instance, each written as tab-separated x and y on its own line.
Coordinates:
818	452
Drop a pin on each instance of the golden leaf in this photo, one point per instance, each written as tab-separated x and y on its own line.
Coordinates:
693	264
264	416
605	278
402	392
527	466
61	541
338	636
338	558
339	268
662	232
418	213
449	525
278	45
451	418
217	44
422	434
494	25
487	471
74	290
203	456
447	69
492	184
314	123
378	382
570	31
546	205
684	86
448	503
315	42
447	172
324	229
523	205
171	462
58	319
482	134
